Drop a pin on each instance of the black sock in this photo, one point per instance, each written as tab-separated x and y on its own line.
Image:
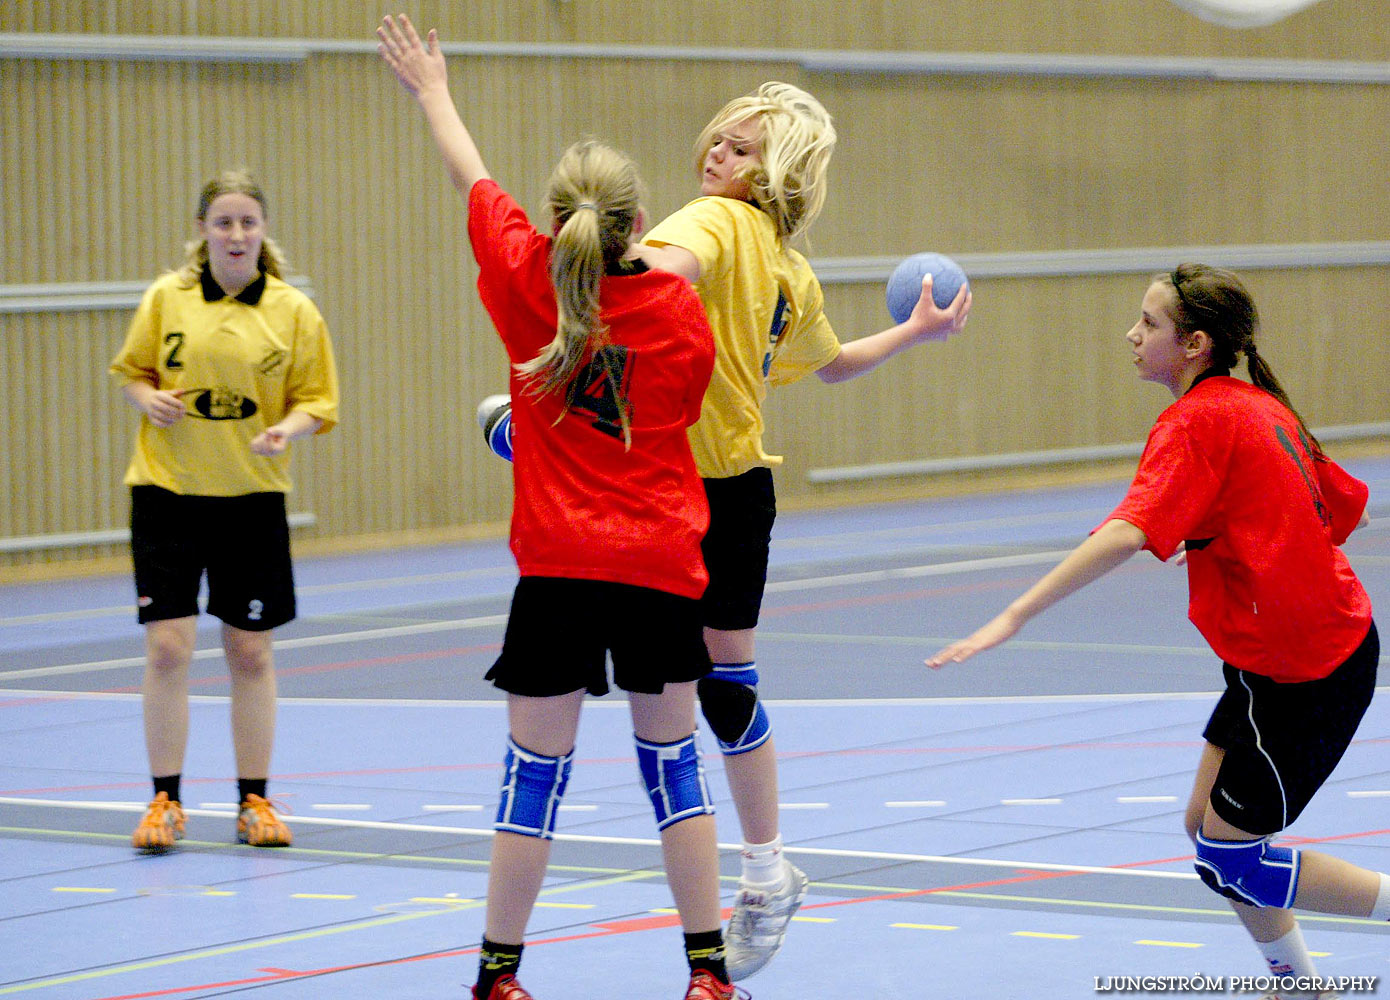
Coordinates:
250	786
169	786
495	961
706	951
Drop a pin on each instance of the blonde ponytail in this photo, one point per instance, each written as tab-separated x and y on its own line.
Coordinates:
594	199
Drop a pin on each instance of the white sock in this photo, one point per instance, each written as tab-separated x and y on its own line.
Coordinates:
762	863
1288	956
1381	911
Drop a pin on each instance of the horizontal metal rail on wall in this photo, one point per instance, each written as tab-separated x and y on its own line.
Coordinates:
111	295
1122	260
91	296
194	48
110	536
1043	458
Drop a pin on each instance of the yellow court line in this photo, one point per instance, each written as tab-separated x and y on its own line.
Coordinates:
78	888
814	920
566	906
927	927
1042	934
1171	944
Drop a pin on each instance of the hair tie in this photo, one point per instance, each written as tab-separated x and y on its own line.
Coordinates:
586	204
1250	351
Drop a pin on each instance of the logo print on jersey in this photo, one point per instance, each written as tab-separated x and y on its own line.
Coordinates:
254	610
219	404
781	316
592	391
1309	481
272	360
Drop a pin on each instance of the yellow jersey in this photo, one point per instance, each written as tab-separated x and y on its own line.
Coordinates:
243	362
767	312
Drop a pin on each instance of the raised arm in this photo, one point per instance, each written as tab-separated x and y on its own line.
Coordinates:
1109	546
420	69
927	322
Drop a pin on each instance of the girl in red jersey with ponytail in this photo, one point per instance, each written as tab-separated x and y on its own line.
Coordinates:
1232	479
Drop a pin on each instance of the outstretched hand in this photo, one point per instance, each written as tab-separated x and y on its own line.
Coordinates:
938	324
1001	627
419	66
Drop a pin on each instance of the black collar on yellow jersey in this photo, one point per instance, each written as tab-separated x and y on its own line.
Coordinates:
212	291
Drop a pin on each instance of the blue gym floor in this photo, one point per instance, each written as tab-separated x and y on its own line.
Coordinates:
1008	827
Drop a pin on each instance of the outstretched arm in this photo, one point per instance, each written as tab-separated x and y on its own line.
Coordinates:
420	69
927	322
1110	545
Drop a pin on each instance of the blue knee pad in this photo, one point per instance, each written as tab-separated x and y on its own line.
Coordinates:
675	780
1249	871
532	787
729	700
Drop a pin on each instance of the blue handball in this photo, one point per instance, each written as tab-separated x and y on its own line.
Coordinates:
905	285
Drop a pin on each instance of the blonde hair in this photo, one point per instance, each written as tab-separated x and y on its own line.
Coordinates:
594	199
240	181
796	138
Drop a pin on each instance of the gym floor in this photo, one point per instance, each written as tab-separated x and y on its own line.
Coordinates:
1007	827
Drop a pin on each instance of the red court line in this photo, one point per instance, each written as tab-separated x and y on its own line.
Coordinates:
639	924
323	668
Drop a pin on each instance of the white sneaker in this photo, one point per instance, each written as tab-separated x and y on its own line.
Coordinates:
759	922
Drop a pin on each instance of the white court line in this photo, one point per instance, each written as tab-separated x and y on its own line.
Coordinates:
917	572
1143	799
1370	794
1030	802
357	824
921	803
423	628
303	590
303	642
342	806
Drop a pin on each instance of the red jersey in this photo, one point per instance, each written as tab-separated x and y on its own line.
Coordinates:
1227	470
586	507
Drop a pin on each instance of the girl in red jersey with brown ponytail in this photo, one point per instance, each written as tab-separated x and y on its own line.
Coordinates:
1232	479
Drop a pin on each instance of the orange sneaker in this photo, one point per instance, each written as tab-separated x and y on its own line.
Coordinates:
704	986
259	826
506	988
161	826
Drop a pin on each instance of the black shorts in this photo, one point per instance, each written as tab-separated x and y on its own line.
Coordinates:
560	631
1283	740
741	512
242	543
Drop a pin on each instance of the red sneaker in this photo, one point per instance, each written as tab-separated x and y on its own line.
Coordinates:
704	986
506	988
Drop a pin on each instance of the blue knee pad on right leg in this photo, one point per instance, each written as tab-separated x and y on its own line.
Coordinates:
730	703
675	780
1249	871
532	787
